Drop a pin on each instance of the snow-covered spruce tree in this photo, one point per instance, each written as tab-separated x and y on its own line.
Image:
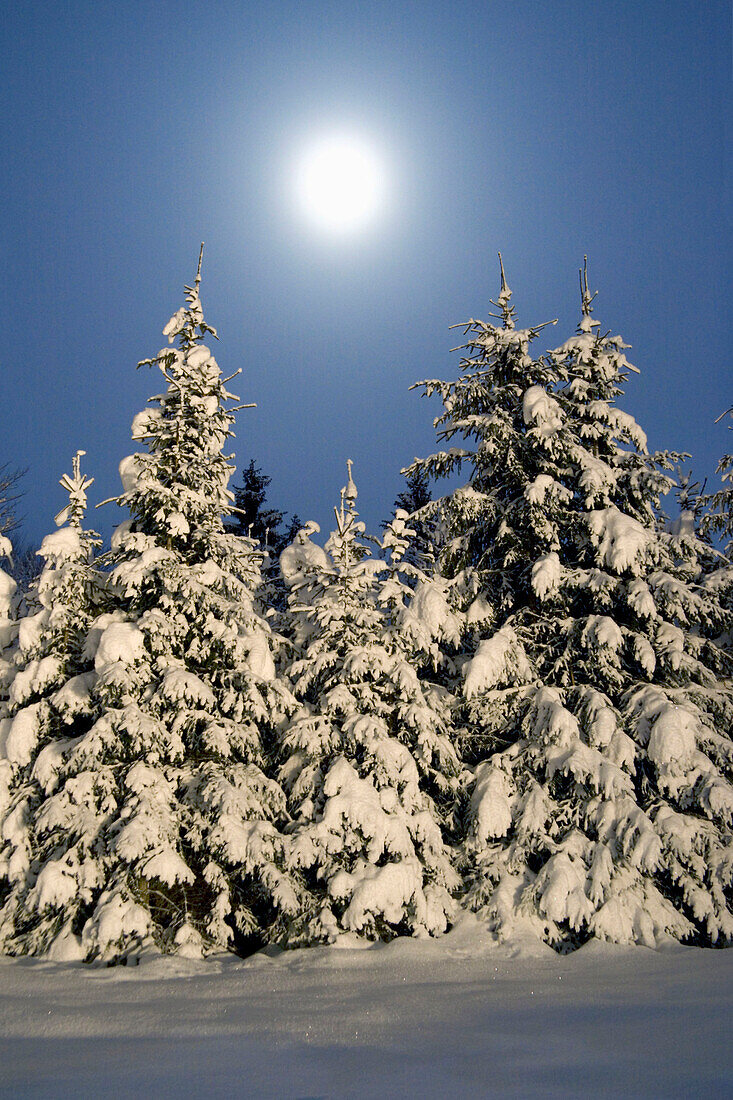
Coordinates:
49	682
720	504
717	520
157	825
368	762
8	621
595	695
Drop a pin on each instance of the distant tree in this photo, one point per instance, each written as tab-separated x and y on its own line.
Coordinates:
413	499
26	564
719	518
417	494
10	494
254	519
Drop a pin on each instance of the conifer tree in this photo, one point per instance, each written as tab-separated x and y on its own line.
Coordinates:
8	623
48	706
414	498
157	825
597	710
10	495
717	521
719	518
369	765
254	519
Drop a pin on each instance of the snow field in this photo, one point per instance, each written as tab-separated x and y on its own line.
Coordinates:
457	1016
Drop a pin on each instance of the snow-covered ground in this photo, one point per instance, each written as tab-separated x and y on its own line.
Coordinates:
452	1017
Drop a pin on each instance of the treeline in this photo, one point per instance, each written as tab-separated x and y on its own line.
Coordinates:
515	698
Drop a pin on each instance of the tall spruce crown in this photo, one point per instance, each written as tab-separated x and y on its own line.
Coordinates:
76	485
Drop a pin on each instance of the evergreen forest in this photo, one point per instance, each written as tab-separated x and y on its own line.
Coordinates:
227	731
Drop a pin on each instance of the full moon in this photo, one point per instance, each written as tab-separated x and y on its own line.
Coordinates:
339	184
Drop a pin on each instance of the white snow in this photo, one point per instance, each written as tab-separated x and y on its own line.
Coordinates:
620	539
428	615
457	1016
303	557
130	469
180	685
62	545
34	679
491	813
175	325
541	409
23	733
8	588
480	611
258	657
672	739
30	629
546	575
496	659
121	642
177	523
602	631
144	423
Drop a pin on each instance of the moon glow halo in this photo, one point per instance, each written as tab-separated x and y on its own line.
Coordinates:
339	184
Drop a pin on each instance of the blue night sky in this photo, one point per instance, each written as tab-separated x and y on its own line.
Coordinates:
544	130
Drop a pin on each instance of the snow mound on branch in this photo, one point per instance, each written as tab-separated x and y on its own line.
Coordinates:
356	802
546	574
35	679
31	628
602	631
56	885
672	740
131	575
117	918
620	539
97	629
120	642
180	685
198	356
24	732
167	866
684	526
670	641
131	469
640	598
541	409
428	615
303	557
258	657
374	891
491	812
8	588
61	546
176	324
177	523
480	611
560	889
50	761
497	659
595	475
537	490
144	424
